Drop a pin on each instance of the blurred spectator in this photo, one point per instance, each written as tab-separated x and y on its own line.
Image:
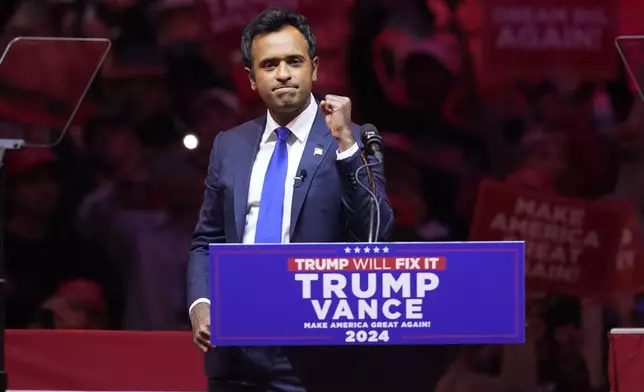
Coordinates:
41	250
542	161
404	172
120	204
137	93
214	111
113	149
562	364
31	19
477	368
77	304
116	155
571	371
181	34
565	367
155	297
175	20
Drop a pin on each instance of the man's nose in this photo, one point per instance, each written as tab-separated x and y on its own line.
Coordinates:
283	72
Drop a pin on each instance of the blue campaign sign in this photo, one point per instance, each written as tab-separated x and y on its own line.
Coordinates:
357	294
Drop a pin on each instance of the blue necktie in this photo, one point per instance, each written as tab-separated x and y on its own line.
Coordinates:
271	205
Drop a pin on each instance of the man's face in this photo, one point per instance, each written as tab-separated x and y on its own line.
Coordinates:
283	71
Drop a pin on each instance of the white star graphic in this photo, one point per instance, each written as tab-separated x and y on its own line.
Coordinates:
347	250
385	250
356	250
367	249
376	250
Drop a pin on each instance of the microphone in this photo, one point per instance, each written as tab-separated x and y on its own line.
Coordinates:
302	175
372	141
373	146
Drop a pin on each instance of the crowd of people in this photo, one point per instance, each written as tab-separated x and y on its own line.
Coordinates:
98	227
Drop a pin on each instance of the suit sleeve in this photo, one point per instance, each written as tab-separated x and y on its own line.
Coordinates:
356	200
209	229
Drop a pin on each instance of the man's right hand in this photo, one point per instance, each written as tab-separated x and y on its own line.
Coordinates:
200	319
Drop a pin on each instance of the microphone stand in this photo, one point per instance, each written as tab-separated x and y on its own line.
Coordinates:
372	220
5	144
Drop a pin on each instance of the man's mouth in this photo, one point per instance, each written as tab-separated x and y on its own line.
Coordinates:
284	88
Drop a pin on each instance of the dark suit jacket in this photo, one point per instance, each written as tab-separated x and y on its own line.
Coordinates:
328	206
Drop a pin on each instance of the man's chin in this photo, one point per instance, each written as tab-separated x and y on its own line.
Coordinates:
287	106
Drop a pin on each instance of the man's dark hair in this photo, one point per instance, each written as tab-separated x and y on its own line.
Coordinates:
270	21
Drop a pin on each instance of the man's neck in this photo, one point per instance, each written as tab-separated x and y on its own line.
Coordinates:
28	227
284	118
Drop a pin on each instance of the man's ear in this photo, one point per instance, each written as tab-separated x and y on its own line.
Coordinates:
251	78
315	62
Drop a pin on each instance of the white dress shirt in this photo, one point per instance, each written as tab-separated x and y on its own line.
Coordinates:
300	129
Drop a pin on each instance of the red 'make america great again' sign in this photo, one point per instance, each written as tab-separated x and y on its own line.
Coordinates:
574	246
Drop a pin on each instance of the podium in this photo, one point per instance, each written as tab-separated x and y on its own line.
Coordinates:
335	307
626	359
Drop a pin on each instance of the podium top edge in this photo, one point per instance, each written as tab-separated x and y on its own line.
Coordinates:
373	243
627	331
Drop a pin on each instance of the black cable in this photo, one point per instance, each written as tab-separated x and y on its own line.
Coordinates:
375	205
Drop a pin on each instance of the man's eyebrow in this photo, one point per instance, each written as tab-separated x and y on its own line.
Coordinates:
288	57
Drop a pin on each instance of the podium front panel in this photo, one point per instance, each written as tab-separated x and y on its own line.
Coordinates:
626	359
367	294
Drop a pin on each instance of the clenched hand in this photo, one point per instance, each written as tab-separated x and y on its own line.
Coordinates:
337	115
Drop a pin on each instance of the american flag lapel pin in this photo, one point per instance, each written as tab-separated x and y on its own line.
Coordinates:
317	151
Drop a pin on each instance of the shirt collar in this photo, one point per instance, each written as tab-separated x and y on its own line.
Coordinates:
300	126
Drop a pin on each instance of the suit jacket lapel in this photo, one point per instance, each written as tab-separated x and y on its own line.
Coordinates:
246	152
317	146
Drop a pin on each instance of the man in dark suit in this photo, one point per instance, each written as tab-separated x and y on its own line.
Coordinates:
287	176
